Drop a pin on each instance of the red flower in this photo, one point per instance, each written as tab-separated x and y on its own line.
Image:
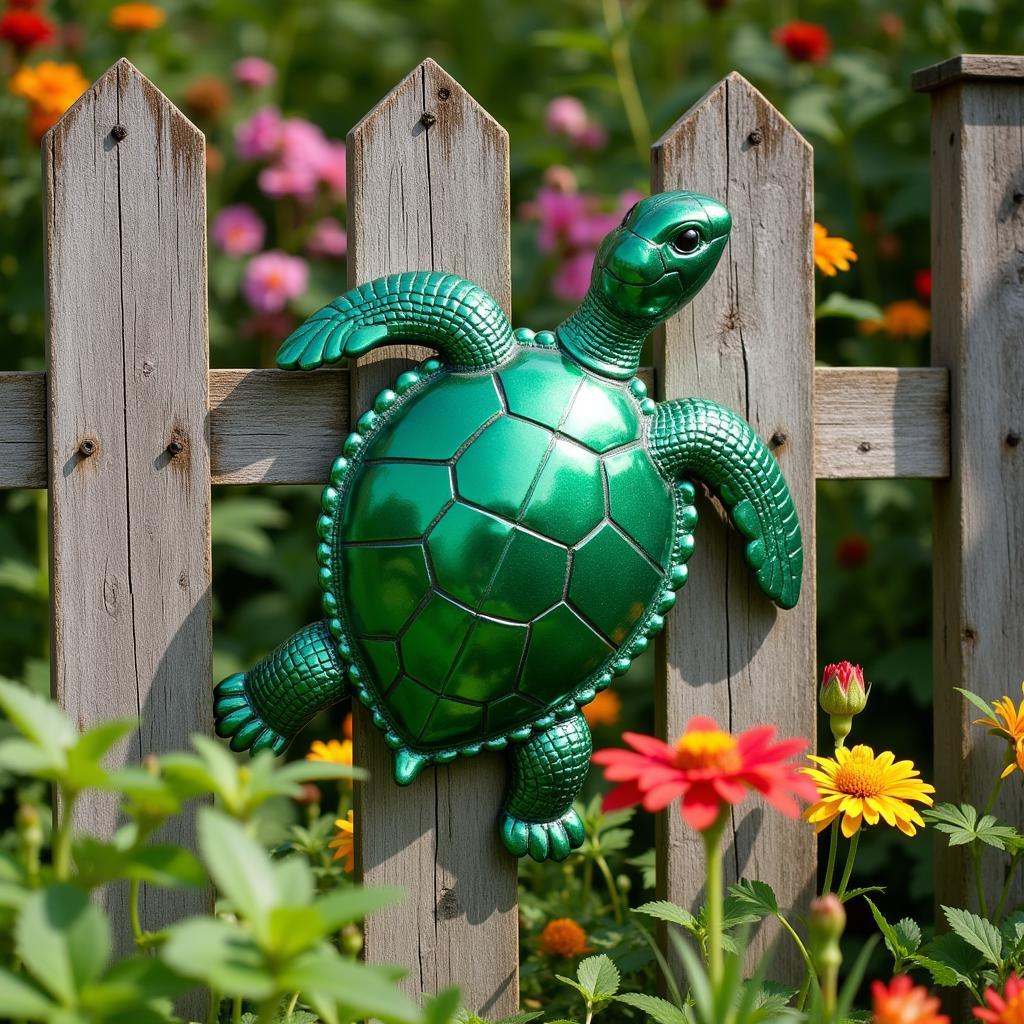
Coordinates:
852	551
24	4
1007	1008
903	1002
25	30
923	285
707	768
804	41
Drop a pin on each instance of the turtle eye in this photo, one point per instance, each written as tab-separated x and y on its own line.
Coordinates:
686	241
629	213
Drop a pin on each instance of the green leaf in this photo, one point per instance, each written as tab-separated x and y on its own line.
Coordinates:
343	906
950	961
977	932
37	718
220	954
23	757
20	998
909	932
663	910
599	976
659	1010
962	826
862	891
518	1018
757	894
839	305
893	940
63	939
977	701
293	930
166	865
441	1008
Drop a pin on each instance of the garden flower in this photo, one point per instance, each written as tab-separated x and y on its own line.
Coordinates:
238	230
563	937
280	180
344	843
863	787
333	751
1007	1008
50	88
853	551
1008	722
268	326
842	696
207	97
923	284
708	769
254	72
604	709
333	168
25	30
804	41
328	239
272	278
831	253
136	17
258	137
346	726
572	279
566	115
903	1002
905	319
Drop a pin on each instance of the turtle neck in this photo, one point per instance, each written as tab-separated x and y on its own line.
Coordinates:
603	339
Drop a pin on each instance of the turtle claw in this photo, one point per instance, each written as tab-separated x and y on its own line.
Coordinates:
542	840
237	720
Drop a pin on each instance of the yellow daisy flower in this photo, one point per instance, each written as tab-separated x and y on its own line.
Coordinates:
863	787
343	844
334	751
1011	728
831	253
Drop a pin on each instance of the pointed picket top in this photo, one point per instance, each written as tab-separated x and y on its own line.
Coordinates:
430	138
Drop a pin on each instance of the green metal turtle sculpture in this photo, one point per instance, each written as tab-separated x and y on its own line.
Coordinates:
506	528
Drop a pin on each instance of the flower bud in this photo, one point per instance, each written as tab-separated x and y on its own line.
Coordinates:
843	695
826	923
827	920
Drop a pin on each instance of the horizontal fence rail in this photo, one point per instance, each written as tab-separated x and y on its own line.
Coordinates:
278	427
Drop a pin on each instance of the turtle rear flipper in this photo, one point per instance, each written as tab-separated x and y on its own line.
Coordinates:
457	318
696	437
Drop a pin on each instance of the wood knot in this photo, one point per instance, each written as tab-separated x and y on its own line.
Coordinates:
119	133
448	905
88	446
175	446
427	119
778	439
969	635
864	447
1012	439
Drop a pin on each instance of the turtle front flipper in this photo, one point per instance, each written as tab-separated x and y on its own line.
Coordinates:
266	706
548	771
695	437
457	318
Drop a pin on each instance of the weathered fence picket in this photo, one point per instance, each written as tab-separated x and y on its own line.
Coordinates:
129	427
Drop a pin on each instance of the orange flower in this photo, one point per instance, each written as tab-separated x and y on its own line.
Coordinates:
903	1002
604	709
1011	727
563	937
207	97
346	726
708	769
50	88
136	17
344	843
905	320
1007	1008
831	253
333	751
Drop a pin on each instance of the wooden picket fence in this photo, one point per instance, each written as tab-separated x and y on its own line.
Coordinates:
129	427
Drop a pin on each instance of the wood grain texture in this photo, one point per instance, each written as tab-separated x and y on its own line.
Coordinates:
881	422
22	430
127	356
280	427
433	198
968	67
977	163
747	341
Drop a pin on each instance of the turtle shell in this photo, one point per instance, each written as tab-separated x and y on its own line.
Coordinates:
497	544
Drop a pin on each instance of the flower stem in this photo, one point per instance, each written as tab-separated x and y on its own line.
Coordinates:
833	848
291	1006
979	886
613	890
236	1010
991	801
213	1014
808	962
626	77
62	838
267	1010
712	837
851	856
133	912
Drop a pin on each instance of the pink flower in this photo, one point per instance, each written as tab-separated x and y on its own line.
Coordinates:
566	116
254	72
556	211
272	279
259	137
268	326
332	168
238	230
572	279
283	179
328	239
302	143
592	137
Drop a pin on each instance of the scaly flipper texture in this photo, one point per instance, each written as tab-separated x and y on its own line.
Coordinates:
457	318
547	774
266	706
692	436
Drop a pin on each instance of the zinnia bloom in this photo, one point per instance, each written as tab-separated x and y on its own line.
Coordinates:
1007	1008
272	279
566	115
254	72
923	284
864	788
25	30
50	88
333	751
905	319
804	41
831	253
708	768
1010	725
238	230
903	1002
344	843
207	97
604	709
136	17
563	937
258	137
328	239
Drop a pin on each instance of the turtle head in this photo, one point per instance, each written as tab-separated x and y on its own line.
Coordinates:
649	267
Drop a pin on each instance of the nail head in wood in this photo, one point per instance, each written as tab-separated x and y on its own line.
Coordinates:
1012	439
87	447
119	132
175	447
427	119
778	439
756	137
443	93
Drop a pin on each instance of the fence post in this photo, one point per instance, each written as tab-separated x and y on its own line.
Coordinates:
747	341
129	470
428	189
978	528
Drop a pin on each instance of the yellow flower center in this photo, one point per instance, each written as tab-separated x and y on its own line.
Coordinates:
860	776
708	749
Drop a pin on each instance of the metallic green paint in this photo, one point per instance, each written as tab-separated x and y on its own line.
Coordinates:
505	529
